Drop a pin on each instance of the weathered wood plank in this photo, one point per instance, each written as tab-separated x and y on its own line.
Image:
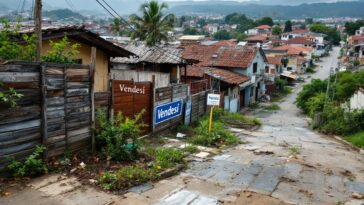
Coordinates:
19	77
19	126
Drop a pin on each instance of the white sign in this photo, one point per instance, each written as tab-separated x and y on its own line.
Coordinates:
213	99
135	89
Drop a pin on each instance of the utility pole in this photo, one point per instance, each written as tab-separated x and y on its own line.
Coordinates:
328	85
38	27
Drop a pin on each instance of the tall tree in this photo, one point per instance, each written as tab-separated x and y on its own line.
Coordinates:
276	30
288	26
351	27
266	21
116	26
153	26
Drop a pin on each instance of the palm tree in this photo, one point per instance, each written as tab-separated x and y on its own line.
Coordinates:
153	25
116	26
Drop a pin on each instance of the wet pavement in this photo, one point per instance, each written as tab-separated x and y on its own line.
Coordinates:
284	162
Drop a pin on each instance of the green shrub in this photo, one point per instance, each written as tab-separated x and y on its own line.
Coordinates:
167	158
10	49
118	138
311	69
315	104
356	63
127	177
218	135
32	166
184	128
62	52
108	181
9	96
356	139
316	86
280	83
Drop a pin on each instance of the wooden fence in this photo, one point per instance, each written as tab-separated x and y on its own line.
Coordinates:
55	110
170	94
198	105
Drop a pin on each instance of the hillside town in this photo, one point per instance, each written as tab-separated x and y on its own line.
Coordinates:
164	109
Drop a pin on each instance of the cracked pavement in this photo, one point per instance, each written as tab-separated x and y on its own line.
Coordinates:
262	171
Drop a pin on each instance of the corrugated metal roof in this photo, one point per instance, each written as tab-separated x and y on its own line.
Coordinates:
156	54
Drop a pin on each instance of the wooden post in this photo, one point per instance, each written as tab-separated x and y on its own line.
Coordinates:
43	105
92	95
38	28
153	103
65	106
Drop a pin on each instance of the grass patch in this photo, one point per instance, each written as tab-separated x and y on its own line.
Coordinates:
184	128
237	118
272	107
356	139
167	158
219	135
278	96
311	69
127	177
190	149
134	175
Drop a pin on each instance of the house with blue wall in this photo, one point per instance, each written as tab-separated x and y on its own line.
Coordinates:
246	62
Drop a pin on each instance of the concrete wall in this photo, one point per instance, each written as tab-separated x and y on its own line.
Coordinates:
357	100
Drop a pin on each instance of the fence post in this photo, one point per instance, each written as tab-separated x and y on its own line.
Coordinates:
153	103
92	74
65	106
43	95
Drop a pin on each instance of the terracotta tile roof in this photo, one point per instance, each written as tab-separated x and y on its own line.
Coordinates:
357	37
300	40
293	50
216	56
228	76
256	38
263	27
234	57
194	71
274	60
230	43
300	31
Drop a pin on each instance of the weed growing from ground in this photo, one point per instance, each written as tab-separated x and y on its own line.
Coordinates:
191	149
126	177
294	151
272	107
32	166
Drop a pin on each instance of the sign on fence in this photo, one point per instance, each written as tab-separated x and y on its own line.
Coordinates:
213	99
188	113
168	111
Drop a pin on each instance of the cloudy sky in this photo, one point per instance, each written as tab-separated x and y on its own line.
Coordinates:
131	6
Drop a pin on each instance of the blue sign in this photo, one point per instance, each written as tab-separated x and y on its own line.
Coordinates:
168	111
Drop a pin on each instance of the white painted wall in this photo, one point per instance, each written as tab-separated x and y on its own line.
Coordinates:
161	79
357	100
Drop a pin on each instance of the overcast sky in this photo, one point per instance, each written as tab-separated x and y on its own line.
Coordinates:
131	6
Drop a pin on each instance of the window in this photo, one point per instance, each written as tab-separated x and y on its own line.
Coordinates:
266	69
255	67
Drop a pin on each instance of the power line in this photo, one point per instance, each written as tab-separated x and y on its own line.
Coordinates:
105	8
114	13
71	5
